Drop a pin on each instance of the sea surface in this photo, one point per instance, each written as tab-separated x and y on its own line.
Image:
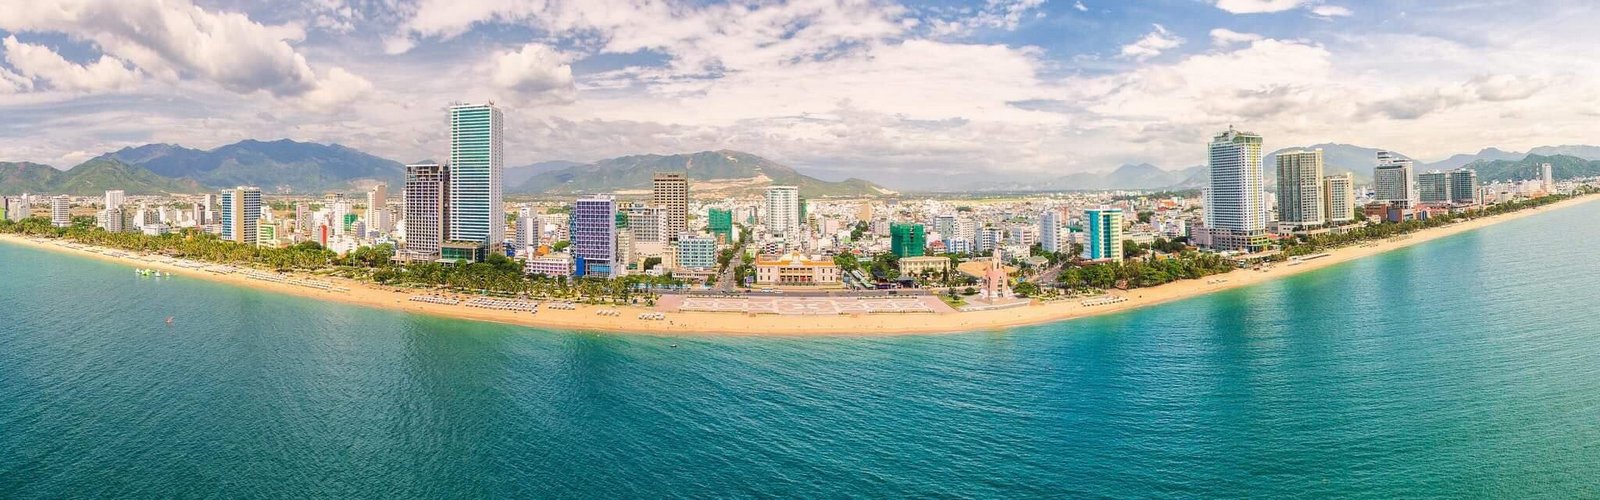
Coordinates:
1464	367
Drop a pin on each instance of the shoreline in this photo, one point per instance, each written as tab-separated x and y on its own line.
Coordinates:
685	323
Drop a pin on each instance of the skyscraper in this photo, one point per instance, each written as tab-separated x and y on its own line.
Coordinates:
241	210
1339	198
476	165
1050	231
594	236
1235	203
1547	177
427	193
377	209
1393	181
1105	233
1464	186
114	199
907	240
60	211
783	209
670	192
1300	202
1433	187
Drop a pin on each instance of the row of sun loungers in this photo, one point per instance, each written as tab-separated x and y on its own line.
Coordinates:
503	304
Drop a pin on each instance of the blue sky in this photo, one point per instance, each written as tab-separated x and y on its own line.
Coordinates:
879	89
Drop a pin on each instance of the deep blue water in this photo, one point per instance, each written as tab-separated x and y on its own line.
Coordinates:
1464	367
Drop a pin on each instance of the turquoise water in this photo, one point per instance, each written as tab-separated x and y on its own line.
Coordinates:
1464	367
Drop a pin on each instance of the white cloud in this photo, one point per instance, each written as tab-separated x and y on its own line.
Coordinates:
534	71
175	40
1221	37
38	62
1080	6
1153	44
1331	11
1259	6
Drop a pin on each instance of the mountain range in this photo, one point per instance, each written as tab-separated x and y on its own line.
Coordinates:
723	172
287	166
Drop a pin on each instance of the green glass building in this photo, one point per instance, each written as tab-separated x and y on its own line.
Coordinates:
907	240
477	212
720	223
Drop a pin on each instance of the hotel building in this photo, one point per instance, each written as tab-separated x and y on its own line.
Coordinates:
783	210
1339	198
427	209
241	210
594	237
1393	180
1300	186
1105	234
670	192
1235	205
476	166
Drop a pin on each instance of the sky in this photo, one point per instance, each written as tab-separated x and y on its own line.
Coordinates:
901	93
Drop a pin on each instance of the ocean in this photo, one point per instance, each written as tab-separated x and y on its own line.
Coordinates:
1468	366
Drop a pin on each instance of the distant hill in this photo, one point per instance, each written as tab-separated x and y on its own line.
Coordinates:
515	176
1460	160
24	177
1528	168
721	172
89	178
275	166
1590	153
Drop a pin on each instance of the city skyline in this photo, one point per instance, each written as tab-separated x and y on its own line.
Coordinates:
1070	89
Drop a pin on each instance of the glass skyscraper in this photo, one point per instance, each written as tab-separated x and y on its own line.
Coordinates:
594	236
476	165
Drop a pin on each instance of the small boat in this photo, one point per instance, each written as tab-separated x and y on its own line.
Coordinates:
169	320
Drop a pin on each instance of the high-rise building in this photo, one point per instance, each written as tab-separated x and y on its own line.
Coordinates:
1339	198
266	234
114	199
476	165
696	252
60	211
719	223
378	209
1235	209
1433	187
210	201
113	220
1050	230
907	240
1464	186
241	210
1105	233
528	229
1393	180
427	193
1300	185
302	219
1547	177
648	224
783	210
594	236
670	192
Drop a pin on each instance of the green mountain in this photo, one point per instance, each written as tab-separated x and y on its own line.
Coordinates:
1528	168
89	178
24	177
275	166
726	173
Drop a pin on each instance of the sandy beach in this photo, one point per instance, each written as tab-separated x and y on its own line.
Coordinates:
626	319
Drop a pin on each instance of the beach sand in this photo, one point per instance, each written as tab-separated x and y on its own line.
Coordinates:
584	318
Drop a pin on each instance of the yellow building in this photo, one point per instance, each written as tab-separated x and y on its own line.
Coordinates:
796	270
915	266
